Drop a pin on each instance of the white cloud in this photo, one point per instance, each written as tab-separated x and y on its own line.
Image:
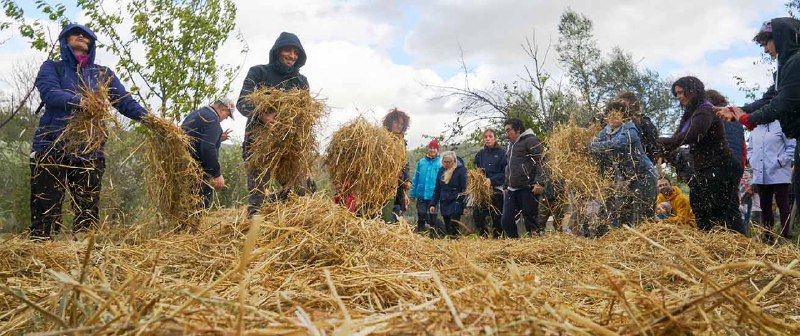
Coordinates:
350	46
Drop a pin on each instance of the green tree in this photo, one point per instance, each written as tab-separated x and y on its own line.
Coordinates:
598	79
180	40
580	56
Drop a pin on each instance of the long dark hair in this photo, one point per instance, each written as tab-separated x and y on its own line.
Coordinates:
693	89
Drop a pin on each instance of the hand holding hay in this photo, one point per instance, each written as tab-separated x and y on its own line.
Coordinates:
364	161
174	178
478	193
88	127
284	146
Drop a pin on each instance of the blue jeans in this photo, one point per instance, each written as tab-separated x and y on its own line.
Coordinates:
514	202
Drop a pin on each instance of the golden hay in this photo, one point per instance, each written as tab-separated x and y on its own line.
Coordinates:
173	177
568	161
478	194
88	127
311	267
363	160
285	149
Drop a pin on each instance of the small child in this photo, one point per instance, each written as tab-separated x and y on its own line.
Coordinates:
664	210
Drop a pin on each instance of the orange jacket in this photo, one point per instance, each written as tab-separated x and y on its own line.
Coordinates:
680	207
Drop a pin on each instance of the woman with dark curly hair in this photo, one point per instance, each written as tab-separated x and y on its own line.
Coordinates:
397	122
713	188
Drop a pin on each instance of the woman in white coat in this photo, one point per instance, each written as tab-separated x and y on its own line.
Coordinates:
770	154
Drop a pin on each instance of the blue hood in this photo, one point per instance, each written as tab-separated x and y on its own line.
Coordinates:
287	39
66	50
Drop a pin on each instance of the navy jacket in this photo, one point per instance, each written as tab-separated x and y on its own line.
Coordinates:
782	99
493	163
61	95
273	74
734	136
205	131
448	195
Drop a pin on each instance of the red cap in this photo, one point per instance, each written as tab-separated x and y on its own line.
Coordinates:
434	144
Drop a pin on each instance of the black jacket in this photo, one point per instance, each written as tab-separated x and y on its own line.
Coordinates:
274	74
493	163
524	161
648	134
782	99
203	127
705	135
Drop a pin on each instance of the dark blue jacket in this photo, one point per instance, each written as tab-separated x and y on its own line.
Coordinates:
205	131
734	136
60	94
448	195
493	163
273	74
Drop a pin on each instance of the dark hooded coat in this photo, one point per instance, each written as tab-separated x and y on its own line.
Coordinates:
782	99
59	86
273	74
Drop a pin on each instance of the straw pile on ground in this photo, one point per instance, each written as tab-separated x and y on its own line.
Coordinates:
477	193
311	267
91	124
173	177
286	148
362	160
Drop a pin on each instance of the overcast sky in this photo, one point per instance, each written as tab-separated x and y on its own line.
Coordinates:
369	56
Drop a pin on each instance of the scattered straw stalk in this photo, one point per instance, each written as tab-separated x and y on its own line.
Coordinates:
91	123
314	267
286	148
174	178
364	160
477	192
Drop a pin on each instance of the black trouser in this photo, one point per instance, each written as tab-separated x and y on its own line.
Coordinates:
424	216
713	194
450	225
517	201
257	183
206	193
493	213
50	177
781	194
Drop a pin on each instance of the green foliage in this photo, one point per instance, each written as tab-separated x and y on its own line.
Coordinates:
34	31
180	39
598	79
232	165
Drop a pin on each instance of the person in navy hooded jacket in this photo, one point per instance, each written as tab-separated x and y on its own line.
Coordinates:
54	169
451	182
286	58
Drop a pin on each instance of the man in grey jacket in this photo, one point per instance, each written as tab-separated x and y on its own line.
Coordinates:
525	155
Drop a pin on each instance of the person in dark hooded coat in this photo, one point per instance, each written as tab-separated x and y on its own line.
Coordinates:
286	58
53	168
780	38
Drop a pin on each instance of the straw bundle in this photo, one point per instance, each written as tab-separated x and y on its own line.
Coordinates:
478	194
92	122
173	177
364	160
586	189
286	148
311	267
